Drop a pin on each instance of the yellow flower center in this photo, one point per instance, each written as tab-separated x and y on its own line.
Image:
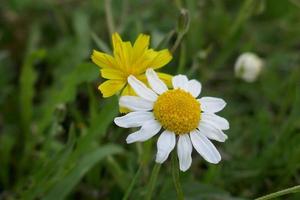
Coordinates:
177	111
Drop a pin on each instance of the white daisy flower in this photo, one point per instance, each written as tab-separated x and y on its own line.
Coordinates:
179	114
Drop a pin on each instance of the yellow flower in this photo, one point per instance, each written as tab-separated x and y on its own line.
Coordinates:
129	60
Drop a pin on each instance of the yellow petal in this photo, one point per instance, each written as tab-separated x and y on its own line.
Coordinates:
124	110
116	40
167	78
143	78
161	58
140	45
103	60
144	62
127	53
111	87
123	55
128	91
112	74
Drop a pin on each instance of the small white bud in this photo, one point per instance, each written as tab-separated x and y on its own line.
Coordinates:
248	66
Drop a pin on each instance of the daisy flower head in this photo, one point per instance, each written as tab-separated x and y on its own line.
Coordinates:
178	115
128	59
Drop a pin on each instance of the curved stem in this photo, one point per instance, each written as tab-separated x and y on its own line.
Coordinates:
280	193
175	175
152	182
177	42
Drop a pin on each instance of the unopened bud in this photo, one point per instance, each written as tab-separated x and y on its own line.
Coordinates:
183	21
248	66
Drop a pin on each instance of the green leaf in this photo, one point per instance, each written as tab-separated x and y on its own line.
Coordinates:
65	185
27	81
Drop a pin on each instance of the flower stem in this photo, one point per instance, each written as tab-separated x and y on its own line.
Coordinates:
109	17
152	182
175	175
131	186
280	193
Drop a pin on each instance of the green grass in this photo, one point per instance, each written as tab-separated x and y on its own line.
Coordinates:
57	137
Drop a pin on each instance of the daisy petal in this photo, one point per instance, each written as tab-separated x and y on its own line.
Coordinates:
127	91
184	150
165	144
194	87
141	89
216	120
135	103
211	131
156	84
133	119
205	148
180	81
212	104
148	130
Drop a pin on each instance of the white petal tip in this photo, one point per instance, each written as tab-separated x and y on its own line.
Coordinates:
214	161
226	137
116	121
223	139
119	123
149	70
129	140
130	77
159	160
184	169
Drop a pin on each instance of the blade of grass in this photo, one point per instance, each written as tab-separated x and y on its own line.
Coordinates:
153	181
65	184
133	182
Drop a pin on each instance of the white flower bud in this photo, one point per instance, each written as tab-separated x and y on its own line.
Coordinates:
248	66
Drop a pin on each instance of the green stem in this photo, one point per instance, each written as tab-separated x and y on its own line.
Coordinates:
132	184
182	58
175	175
280	193
109	17
152	182
177	42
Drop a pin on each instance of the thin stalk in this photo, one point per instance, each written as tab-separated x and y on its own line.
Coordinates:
132	184
177	43
175	175
182	58
230	41
109	17
117	172
153	180
244	13
280	193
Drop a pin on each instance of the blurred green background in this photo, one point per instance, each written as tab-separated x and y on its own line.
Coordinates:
57	138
